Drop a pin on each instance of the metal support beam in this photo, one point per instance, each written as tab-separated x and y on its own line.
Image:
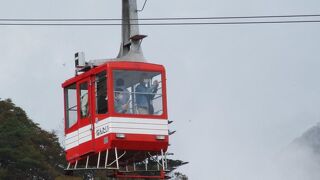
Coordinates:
98	163
116	153
131	39
158	163
157	160
75	166
87	161
107	156
122	168
144	4
146	165
166	161
163	168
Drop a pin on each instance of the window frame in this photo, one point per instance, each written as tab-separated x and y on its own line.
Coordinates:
163	92
95	93
66	107
80	115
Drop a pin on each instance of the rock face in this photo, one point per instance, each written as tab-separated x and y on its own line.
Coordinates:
310	139
301	159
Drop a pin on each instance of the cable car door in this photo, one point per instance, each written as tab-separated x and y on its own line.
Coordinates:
85	116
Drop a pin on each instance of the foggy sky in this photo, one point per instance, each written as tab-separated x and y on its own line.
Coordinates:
238	94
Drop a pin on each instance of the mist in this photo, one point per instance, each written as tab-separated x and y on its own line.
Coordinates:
238	95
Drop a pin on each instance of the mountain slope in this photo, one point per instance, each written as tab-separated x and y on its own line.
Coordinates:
301	159
310	139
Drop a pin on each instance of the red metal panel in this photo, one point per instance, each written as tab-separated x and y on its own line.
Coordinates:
134	142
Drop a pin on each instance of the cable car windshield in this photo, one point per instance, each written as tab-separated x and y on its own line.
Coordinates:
137	92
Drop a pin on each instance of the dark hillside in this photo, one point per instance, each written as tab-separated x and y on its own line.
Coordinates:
27	151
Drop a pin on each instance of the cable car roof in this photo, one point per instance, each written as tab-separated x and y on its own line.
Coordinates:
121	65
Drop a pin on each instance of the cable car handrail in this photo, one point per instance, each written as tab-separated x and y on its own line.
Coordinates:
71	108
158	111
124	92
157	97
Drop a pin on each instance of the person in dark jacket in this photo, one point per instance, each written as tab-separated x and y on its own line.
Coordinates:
122	96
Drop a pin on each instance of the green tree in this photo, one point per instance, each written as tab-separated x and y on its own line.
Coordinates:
27	151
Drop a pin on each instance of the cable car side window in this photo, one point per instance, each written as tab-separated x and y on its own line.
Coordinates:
101	93
84	98
137	92
71	105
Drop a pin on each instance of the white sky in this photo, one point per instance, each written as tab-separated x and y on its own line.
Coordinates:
238	94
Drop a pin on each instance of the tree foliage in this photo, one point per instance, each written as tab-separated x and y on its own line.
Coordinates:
27	151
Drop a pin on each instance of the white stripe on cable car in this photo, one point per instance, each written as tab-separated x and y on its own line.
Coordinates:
84	129
131	120
85	139
70	140
82	135
135	125
138	131
85	134
76	133
71	145
117	125
72	135
131	126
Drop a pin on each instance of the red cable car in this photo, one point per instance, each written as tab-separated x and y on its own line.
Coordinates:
116	110
105	108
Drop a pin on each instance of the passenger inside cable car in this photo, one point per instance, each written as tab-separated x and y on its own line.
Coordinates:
121	97
137	92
